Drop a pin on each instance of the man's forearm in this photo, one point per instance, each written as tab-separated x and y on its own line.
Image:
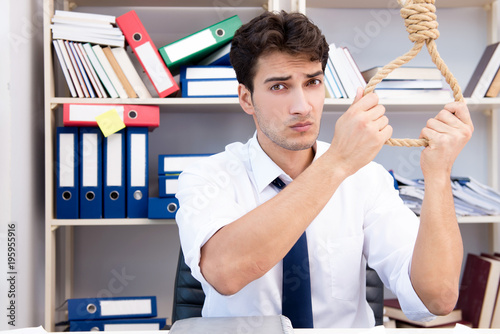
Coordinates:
438	252
250	246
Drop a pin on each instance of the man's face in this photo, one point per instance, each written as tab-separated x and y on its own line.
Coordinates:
287	101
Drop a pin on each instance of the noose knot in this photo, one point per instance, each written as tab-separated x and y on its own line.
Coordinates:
420	20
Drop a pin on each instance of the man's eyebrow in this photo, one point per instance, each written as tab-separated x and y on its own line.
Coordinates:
315	74
277	79
272	79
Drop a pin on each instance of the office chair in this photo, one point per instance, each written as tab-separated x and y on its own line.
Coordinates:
189	296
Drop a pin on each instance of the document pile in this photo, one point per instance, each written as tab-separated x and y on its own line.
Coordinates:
112	314
471	197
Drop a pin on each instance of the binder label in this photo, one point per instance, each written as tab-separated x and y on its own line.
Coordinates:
127	306
114	160
90	160
138	160
89	113
153	66
193	44
67	160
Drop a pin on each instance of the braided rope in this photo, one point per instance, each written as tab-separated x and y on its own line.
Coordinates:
420	21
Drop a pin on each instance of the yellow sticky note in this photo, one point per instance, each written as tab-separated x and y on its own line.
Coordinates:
110	122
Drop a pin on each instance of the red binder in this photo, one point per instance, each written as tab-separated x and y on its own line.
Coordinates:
147	53
132	115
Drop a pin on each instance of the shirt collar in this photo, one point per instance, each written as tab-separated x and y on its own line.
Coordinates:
264	169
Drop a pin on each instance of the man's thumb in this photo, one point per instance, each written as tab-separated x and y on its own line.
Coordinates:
359	95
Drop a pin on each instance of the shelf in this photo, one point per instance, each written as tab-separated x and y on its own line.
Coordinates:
111	222
168	3
478	219
358	4
211	105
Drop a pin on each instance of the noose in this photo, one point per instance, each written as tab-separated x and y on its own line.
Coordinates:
420	20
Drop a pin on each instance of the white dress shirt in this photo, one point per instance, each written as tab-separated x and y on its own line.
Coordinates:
365	220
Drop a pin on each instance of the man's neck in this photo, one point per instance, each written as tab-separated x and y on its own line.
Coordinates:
293	163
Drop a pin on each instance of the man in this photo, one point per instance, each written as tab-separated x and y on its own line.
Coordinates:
236	227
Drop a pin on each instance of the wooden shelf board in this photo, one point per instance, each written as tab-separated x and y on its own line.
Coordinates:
169	3
478	219
211	105
392	4
111	222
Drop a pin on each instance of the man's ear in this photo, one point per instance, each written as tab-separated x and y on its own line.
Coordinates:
245	98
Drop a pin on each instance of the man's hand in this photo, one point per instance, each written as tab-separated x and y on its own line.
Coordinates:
360	132
447	134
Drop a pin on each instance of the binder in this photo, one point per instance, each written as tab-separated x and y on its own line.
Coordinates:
162	208
75	114
119	72
90	173
145	50
206	72
137	172
111	308
195	47
168	185
210	88
138	324
67	179
176	163
219	57
114	175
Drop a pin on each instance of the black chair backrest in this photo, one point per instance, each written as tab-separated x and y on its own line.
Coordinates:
189	296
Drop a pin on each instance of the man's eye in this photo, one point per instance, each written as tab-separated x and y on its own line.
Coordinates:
278	87
315	82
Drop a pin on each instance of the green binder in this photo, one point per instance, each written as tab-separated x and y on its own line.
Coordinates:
192	48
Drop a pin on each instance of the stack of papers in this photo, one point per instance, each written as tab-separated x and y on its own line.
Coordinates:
471	197
86	27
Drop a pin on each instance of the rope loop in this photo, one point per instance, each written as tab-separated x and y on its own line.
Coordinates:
421	24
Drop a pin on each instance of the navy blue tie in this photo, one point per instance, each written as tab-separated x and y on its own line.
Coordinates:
296	301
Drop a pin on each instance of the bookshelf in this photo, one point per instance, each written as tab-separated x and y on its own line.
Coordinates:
172	108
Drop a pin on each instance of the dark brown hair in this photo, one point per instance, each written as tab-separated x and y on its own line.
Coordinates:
292	33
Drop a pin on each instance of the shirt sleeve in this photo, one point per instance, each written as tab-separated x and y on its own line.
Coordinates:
206	204
390	233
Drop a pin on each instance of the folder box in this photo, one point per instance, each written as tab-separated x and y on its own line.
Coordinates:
176	163
198	45
114	175
141	43
137	324
67	173
162	208
137	172
75	114
168	185
111	308
90	173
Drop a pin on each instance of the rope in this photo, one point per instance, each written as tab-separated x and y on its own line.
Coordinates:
420	20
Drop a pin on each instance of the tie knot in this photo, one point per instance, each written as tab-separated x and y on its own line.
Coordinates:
278	183
420	20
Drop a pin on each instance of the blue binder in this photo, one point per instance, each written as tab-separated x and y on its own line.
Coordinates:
111	308
67	173
139	324
113	175
137	172
162	208
210	88
90	172
176	163
167	185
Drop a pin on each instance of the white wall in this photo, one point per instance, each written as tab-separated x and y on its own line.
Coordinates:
22	166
